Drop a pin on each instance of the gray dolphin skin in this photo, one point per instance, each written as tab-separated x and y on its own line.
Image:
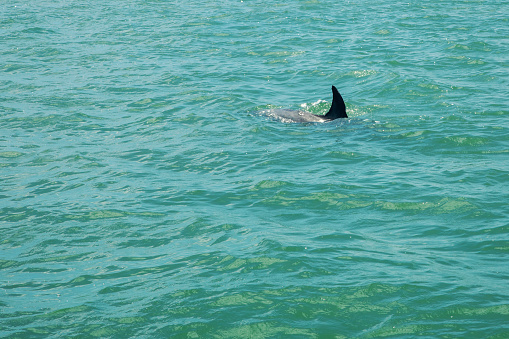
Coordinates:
337	110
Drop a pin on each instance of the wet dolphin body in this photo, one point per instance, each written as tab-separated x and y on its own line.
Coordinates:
337	110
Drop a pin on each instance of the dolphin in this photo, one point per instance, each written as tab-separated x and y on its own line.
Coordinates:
337	110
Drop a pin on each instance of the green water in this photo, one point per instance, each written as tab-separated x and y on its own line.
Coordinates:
142	195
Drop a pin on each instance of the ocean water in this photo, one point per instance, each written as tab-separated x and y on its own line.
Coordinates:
143	195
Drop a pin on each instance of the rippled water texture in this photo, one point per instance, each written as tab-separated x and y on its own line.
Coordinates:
143	195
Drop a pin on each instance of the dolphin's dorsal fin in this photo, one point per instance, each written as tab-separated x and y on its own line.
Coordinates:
337	109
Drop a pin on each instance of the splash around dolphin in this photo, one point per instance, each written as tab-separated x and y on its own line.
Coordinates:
336	111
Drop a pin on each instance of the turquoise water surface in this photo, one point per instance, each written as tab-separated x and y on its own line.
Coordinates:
143	195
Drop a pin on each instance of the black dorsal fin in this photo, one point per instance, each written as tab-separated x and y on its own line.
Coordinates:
337	109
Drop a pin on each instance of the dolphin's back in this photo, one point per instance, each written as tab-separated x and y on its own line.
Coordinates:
336	111
289	115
